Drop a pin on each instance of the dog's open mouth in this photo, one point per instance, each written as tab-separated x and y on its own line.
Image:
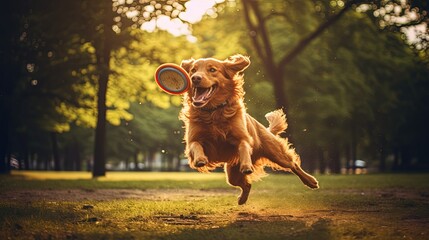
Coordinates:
201	96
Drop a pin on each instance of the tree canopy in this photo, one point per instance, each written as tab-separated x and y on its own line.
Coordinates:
351	76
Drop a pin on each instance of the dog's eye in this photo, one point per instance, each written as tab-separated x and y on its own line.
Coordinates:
212	70
193	70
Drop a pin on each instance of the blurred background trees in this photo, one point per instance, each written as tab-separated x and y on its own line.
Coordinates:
77	89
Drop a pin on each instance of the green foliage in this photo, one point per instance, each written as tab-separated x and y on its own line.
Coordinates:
345	91
152	129
43	48
355	86
219	38
56	86
134	65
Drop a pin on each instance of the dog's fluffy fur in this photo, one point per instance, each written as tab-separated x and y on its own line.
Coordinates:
218	131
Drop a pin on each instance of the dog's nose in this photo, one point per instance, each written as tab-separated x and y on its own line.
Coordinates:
196	79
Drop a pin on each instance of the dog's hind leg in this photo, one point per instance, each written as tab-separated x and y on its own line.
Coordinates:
286	157
306	178
236	178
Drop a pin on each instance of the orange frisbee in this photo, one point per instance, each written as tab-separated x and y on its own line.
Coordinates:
172	79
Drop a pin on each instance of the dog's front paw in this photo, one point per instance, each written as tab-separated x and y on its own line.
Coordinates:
246	169
201	162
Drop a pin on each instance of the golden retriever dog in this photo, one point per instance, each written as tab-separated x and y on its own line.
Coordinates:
218	131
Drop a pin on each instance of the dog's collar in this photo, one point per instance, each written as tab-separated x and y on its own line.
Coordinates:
212	109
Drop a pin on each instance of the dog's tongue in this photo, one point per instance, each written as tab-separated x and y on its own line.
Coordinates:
200	94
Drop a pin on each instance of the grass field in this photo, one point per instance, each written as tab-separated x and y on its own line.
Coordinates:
131	205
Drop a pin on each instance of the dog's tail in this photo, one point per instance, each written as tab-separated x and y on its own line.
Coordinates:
277	120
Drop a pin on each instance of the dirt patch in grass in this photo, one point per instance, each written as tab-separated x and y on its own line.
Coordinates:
240	218
399	193
392	213
74	195
85	194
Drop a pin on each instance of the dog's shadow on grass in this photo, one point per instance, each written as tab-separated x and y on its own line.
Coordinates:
251	226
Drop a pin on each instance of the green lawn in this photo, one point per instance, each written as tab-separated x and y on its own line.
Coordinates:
130	205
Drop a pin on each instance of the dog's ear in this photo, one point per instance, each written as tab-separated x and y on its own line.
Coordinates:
187	64
236	64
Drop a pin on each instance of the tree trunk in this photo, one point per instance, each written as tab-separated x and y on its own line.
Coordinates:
178	163
103	51
261	42
260	39
46	159
77	156
382	166
4	135
100	130
136	160
396	159
256	24
322	161
127	163
348	158
24	145
4	163
405	158
304	42
308	157
334	159
55	152
353	147
68	157
150	159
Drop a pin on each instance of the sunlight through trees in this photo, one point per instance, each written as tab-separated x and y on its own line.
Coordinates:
77	89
